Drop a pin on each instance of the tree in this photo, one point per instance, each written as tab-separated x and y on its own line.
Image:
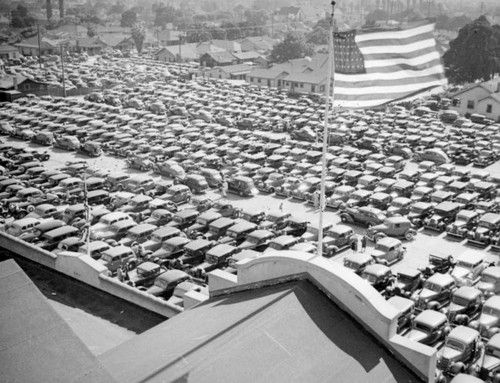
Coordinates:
319	34
473	54
292	47
166	14
198	33
116	9
20	17
129	18
138	35
233	31
91	30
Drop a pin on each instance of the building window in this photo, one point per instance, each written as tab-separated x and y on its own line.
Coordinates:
313	88
258	80
489	108
470	104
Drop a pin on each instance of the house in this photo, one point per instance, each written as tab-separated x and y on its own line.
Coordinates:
168	37
288	13
90	45
203	48
306	82
478	98
262	44
226	45
29	47
23	84
270	77
490	106
176	53
118	41
9	52
250	56
230	72
211	59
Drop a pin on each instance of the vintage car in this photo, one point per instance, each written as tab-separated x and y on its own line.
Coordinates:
45	138
437	156
238	232
216	257
178	194
399	206
140	184
90	148
257	240
488	367
196	182
468	268
421	193
406	308
365	215
465	305
467	200
144	274
488	323
282	242
136	204
402	189
484	158
295	226
429	327
140	162
273	221
66	142
138	234
367	182
184	218
444	213
218	228
340	196
419	211
399	227
463	347
489	283
357	262
488	226
118	257
170	168
378	276
338	238
465	221
357	199
388	251
194	253
241	185
312	232
407	281
486	190
159	236
438	263
385	185
50	239
202	223
171	248
436	292
380	201
273	181
290	184
166	282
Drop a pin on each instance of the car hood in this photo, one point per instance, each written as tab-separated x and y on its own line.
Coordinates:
416	335
459	224
482	230
459	273
486	320
377	254
426	294
485	286
246	245
490	362
449	353
456	309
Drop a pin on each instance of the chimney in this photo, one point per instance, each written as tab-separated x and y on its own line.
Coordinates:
61	9
49	9
14	79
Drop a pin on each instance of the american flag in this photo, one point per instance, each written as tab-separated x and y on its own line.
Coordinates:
376	68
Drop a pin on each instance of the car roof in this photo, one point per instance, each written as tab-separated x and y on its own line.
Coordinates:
400	303
431	317
493	271
440	279
470	255
467	292
376	269
464	334
494	302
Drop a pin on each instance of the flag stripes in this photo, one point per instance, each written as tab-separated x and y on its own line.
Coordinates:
397	64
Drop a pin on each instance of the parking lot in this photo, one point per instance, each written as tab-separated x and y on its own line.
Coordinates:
165	158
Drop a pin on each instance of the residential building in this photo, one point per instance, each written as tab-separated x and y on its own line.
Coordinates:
250	56
230	72
29	47
270	77
186	53
306	82
211	59
90	45
479	98
262	44
23	84
9	52
226	45
168	37
118	41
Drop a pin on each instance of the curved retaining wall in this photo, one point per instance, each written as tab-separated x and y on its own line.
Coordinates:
89	271
343	287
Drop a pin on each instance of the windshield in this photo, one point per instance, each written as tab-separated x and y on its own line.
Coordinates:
462	217
432	286
488	279
275	246
486	225
106	258
488	310
351	265
381	247
404	278
490	350
452	343
442	212
156	238
178	219
416	210
161	284
202	221
253	240
370	278
232	234
168	247
421	327
465	265
461	301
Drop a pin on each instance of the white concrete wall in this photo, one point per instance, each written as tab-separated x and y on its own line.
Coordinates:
27	250
345	288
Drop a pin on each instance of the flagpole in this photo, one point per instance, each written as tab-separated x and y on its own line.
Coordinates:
331	64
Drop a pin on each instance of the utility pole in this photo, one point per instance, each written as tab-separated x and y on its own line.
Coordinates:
62	69
39	46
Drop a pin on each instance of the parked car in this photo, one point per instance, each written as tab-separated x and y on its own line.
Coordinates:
166	282
338	238
90	148
357	262
388	251
66	142
144	274
487	227
436	292
406	308
489	283
397	227
407	281
465	221
429	327
463	347
367	216
465	305
438	263
488	367
444	213
488	323
468	268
